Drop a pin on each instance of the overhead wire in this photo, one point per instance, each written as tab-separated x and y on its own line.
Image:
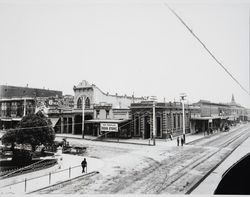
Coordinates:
206	48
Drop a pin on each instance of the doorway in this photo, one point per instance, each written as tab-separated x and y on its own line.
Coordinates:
146	127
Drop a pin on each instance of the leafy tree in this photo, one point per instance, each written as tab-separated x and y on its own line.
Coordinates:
9	138
35	129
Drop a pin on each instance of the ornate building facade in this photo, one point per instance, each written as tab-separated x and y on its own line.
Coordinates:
95	105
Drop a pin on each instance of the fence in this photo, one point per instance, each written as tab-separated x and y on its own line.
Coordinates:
28	185
30	168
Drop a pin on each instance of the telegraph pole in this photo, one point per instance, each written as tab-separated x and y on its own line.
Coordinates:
153	98
83	108
24	107
154	123
183	95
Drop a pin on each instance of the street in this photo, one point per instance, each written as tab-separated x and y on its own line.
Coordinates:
160	169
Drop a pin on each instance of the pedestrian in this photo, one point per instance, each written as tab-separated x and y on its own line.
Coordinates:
182	141
178	141
171	137
84	165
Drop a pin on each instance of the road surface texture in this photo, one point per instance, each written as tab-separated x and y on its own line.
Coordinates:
160	169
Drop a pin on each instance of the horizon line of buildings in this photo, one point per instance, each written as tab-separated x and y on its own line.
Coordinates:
132	115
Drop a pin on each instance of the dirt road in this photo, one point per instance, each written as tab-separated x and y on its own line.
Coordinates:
155	170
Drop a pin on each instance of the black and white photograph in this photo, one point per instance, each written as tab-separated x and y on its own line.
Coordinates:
124	97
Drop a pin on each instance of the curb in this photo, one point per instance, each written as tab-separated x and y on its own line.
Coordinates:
144	144
62	182
134	143
205	136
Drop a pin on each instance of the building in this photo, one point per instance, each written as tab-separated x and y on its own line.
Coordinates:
98	107
16	102
208	115
169	119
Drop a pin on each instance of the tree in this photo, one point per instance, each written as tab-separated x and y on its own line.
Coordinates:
9	138
36	130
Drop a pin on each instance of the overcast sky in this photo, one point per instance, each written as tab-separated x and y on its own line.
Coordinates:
127	46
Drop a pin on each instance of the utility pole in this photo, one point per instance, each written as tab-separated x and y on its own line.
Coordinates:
154	123
83	108
153	98
183	95
24	107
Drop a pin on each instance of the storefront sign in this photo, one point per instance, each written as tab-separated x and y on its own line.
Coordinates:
110	127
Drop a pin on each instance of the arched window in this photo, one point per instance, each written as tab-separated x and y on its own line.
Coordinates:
87	103
79	103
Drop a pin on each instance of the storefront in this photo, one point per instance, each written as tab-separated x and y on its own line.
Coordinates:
108	128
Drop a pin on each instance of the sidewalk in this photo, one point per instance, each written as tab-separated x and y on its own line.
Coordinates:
67	168
136	141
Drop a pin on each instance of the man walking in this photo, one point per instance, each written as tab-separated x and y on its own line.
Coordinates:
178	140
84	165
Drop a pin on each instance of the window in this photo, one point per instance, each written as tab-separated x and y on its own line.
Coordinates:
178	121
79	103
107	113
137	126
158	126
97	114
174	121
87	103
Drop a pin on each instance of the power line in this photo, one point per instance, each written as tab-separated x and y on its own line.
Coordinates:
205	47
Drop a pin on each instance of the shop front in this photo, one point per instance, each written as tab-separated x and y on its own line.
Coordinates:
107	128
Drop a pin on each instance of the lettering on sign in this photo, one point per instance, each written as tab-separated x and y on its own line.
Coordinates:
111	127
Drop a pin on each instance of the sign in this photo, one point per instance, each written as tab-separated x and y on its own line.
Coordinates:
210	120
110	127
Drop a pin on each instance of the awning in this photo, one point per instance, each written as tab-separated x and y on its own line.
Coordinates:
106	121
54	121
208	118
17	119
6	119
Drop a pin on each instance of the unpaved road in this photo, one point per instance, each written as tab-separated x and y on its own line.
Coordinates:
154	170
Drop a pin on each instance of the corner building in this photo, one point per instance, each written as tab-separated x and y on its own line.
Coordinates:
168	117
98	106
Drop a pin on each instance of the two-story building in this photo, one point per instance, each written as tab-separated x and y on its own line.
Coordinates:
209	115
16	102
93	107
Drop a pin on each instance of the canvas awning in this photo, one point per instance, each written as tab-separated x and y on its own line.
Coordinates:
54	121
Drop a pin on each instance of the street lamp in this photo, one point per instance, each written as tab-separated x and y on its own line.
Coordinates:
183	95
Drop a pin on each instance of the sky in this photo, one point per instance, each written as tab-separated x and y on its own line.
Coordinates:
127	47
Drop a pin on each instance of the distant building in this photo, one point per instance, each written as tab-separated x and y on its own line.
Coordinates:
206	115
16	102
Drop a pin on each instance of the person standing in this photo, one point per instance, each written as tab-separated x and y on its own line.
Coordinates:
84	165
182	141
178	140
